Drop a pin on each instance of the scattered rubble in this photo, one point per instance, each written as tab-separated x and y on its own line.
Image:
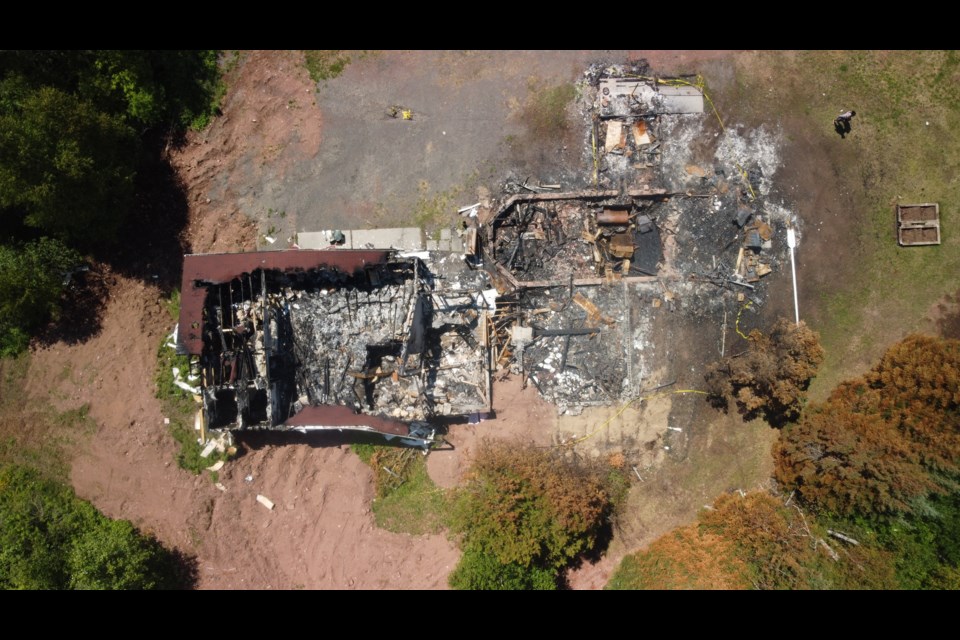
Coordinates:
660	232
561	288
306	344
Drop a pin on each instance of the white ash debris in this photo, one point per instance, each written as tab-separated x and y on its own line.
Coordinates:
680	137
757	149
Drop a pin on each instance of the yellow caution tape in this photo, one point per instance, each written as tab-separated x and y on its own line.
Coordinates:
738	320
747	180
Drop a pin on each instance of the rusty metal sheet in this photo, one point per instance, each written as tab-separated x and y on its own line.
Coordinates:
216	268
332	416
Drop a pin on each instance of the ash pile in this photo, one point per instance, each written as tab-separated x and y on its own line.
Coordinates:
626	105
349	342
399	348
727	228
391	340
541	240
569	348
681	219
576	266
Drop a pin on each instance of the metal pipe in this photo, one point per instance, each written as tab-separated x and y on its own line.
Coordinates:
613	216
792	243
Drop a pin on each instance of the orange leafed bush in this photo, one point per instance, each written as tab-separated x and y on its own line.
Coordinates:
882	440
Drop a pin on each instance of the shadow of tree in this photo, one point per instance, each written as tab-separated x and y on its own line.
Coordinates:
948	324
151	244
81	307
183	570
256	440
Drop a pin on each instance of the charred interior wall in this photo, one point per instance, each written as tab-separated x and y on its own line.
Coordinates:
384	341
582	235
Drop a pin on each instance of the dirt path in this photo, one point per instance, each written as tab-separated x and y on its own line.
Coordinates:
519	414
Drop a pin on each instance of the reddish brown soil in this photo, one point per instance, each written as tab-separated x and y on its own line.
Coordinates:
519	414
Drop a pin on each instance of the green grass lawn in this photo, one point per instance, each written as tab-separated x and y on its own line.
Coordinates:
904	147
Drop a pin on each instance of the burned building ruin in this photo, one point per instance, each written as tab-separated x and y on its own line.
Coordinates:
590	271
321	340
562	288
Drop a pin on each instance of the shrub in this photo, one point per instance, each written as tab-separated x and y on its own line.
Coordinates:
481	571
531	509
31	281
50	539
771	378
881	442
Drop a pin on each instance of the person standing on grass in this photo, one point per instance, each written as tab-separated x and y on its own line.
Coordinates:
842	122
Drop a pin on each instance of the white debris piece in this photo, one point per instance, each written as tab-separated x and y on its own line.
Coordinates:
183	385
265	501
487	298
423	255
216	466
207	450
186	387
172	338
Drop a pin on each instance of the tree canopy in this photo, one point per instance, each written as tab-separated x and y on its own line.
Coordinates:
883	441
870	493
530	510
49	539
146	88
65	167
31	279
71	127
686	558
772	376
756	540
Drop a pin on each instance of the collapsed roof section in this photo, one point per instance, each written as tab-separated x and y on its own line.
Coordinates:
593	274
576	264
628	108
202	270
340	339
630	96
580	237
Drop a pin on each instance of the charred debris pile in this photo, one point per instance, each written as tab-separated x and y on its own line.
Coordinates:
561	288
588	271
292	347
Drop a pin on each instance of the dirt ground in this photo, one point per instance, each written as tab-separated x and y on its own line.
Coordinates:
284	158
